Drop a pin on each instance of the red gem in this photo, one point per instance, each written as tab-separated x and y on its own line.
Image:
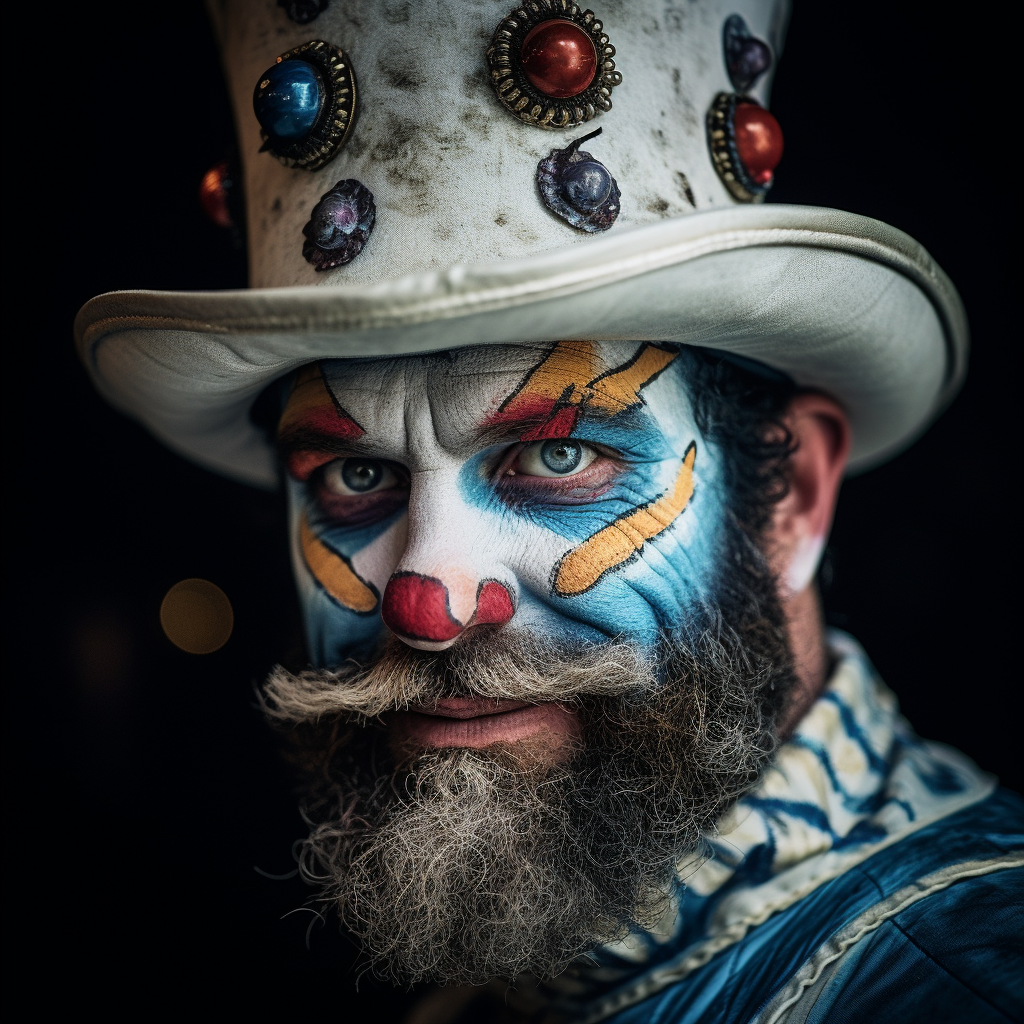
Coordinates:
758	141
559	58
214	197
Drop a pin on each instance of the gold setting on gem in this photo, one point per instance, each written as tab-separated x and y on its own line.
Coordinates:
520	97
334	125
723	150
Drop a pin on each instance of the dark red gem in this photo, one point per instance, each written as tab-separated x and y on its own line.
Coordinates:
559	58
213	195
758	141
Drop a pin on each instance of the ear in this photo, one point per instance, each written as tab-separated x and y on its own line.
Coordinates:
802	520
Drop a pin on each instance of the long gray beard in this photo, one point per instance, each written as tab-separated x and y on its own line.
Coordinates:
463	865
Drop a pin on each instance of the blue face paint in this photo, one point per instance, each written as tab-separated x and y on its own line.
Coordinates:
563	489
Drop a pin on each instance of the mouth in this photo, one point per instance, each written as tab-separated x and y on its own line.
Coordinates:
478	722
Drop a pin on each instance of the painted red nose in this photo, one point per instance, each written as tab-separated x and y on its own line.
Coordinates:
417	606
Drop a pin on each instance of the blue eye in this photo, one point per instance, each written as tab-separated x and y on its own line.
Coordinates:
561	456
361	475
358	476
564	457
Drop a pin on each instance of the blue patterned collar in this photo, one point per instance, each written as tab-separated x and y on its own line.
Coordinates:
852	779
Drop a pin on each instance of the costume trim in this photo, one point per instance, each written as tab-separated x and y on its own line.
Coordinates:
872	918
835	947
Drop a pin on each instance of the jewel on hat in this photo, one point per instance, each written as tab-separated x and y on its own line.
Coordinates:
306	105
747	58
339	225
578	188
213	194
552	64
302	12
746	145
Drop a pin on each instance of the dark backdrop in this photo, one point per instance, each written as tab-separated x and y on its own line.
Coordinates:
150	791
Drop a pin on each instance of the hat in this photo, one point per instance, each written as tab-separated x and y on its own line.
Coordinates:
422	176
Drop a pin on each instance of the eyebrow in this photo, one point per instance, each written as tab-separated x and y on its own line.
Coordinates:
302	437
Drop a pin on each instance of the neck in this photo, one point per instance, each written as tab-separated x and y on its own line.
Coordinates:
805	624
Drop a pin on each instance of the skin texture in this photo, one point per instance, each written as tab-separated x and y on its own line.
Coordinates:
802	521
439	495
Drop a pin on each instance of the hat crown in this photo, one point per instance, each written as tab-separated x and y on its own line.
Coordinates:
453	173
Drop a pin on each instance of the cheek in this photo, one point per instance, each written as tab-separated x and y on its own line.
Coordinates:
650	568
340	575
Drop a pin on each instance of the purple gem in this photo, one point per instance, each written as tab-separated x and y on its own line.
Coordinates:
339	225
747	58
578	188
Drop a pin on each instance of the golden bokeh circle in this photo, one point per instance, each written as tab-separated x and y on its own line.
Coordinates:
197	616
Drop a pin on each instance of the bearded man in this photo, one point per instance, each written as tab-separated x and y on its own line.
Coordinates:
562	431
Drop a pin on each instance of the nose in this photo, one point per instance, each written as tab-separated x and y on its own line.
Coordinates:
419	608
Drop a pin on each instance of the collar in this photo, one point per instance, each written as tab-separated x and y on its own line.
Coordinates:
853	779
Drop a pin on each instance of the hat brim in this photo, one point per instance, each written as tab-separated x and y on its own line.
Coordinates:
843	304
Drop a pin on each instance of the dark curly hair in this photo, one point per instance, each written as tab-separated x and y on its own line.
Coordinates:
739	407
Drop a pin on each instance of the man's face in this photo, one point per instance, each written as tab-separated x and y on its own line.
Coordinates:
511	563
564	490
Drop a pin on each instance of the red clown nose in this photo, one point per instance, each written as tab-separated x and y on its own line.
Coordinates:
417	607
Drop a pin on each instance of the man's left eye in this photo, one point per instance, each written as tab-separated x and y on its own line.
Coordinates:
564	457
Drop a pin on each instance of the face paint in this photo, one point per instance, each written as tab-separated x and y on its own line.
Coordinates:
564	489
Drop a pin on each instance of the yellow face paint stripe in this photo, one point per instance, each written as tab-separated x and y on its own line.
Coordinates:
309	392
335	573
582	567
561	375
621	388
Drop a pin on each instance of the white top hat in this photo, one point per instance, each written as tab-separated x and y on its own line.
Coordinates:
466	216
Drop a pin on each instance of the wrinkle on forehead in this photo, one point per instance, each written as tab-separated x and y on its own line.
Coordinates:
409	405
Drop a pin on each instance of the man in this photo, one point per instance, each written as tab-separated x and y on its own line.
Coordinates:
572	692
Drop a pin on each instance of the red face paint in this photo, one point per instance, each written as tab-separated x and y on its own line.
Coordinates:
312	412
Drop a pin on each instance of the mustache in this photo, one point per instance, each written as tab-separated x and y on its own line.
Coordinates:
508	665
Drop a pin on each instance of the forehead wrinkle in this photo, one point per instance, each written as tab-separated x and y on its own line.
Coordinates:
424	451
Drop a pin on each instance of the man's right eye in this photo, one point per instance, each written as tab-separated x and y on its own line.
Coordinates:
358	476
357	492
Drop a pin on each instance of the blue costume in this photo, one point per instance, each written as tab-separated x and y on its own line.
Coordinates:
871	876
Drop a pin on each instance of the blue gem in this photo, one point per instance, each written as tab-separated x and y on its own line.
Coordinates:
587	184
288	99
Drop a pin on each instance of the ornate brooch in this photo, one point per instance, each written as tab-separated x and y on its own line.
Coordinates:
746	145
339	225
578	188
552	65
306	105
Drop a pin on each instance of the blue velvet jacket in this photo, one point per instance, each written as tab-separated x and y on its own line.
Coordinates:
871	876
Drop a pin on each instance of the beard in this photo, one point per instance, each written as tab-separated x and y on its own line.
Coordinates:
460	865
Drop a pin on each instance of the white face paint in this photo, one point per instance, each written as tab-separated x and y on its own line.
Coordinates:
564	488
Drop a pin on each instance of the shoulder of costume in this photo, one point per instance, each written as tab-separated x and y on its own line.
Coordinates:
763	976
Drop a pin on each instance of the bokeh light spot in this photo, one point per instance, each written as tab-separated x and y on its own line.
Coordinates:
197	616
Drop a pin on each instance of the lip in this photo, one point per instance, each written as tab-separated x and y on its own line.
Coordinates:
475	722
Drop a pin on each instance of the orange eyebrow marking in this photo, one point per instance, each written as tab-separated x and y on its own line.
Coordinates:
335	574
618	542
571	377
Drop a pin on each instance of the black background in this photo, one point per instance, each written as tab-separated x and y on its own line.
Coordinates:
147	788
